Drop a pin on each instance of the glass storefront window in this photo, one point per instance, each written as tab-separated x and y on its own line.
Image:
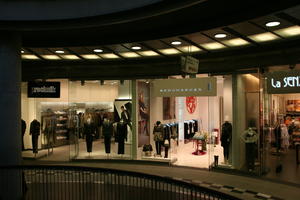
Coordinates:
103	113
90	120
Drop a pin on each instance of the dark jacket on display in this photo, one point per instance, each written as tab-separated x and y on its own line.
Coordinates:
107	128
121	134
35	128
226	134
23	126
89	129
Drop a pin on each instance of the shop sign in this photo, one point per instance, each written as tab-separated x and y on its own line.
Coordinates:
43	90
282	82
189	64
191	104
185	87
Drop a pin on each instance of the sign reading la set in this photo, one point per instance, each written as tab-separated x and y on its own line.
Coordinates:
282	82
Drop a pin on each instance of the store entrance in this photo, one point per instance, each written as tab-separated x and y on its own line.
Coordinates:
282	122
283	136
180	129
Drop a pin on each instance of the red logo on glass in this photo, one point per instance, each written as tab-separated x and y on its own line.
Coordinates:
191	104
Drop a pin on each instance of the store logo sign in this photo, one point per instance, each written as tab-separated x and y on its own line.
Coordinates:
185	87
191	104
43	90
283	82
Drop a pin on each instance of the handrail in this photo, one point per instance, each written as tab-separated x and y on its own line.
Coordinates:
108	178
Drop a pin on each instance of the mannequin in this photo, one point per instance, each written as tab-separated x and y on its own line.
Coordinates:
167	130
35	127
89	131
250	138
107	129
23	127
226	138
158	132
121	136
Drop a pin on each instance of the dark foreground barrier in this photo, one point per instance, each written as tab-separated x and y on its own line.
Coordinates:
82	183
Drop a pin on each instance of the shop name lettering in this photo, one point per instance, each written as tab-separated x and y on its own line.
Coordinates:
182	90
44	89
291	81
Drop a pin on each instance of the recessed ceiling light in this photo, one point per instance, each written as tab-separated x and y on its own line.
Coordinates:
148	53
98	50
169	51
22	51
263	37
109	55
220	35
176	43
51	57
235	42
70	57
59	51
30	56
130	54
90	56
272	24
289	31
136	47
213	45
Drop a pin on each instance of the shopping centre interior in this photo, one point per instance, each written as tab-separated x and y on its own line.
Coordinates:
198	84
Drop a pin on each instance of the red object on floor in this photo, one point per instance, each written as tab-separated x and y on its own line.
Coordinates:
199	153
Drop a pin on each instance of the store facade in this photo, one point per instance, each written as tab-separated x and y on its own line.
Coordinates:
203	130
281	120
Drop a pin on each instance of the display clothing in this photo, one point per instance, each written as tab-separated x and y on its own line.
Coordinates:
121	135
89	132
167	134
277	132
107	130
285	137
226	136
23	128
34	131
250	138
158	132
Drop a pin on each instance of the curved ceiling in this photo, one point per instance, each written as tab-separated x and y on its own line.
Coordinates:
37	10
158	20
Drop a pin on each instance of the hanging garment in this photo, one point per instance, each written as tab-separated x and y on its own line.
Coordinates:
285	137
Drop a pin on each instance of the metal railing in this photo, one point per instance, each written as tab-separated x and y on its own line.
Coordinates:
82	183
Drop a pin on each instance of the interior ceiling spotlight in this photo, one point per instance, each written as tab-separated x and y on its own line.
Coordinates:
59	51
98	50
220	35
136	47
272	24
176	43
